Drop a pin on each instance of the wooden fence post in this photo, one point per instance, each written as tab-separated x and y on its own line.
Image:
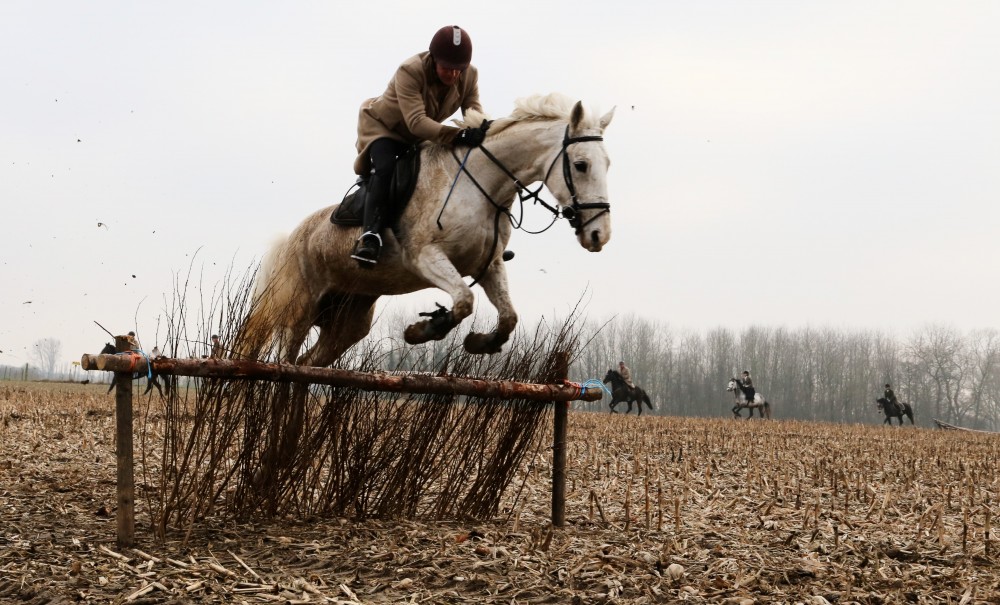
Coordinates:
559	446
123	440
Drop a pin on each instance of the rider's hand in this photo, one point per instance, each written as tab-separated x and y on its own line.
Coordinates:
469	137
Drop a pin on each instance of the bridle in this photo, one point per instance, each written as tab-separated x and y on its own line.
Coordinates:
572	212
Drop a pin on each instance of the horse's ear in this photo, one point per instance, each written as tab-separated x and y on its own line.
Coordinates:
576	116
606	119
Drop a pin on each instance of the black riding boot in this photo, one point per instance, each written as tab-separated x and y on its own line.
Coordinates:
369	246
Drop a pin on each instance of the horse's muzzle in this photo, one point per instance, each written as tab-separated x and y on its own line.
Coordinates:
593	239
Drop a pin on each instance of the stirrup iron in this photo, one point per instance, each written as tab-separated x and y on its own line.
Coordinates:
378	250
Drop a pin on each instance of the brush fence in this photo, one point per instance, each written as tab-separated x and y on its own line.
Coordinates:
228	369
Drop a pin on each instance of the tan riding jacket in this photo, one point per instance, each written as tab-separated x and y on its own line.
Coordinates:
412	107
626	375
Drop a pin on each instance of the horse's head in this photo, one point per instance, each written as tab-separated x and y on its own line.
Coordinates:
583	189
732	385
610	376
108	349
881	401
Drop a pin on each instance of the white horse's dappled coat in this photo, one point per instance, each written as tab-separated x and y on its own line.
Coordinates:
759	402
309	278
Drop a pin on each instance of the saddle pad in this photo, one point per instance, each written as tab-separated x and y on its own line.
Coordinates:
351	211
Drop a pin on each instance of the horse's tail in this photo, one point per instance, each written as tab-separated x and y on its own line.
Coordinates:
645	399
767	409
255	335
909	412
267	267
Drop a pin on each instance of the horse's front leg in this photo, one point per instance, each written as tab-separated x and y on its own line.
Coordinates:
494	283
433	265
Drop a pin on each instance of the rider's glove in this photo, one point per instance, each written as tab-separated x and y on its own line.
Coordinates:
469	137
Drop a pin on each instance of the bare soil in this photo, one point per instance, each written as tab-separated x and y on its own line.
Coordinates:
659	510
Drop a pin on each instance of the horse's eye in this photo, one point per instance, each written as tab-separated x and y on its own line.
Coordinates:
580	166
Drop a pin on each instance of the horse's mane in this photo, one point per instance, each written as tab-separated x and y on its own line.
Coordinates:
553	106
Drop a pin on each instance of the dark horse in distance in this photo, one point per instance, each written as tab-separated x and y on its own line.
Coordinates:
621	392
894	410
153	381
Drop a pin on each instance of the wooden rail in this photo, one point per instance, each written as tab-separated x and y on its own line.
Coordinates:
368	381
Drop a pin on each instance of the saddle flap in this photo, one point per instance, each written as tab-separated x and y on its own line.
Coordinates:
351	210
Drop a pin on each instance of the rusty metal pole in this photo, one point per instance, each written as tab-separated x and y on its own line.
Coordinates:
123	441
559	447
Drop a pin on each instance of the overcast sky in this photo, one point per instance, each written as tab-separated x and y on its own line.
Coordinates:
774	163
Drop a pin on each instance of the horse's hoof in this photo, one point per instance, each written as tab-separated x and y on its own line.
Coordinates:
424	331
479	344
437	327
417	333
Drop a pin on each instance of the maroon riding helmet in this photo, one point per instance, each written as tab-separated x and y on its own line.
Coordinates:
451	47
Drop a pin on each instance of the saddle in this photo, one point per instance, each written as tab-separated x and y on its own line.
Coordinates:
351	210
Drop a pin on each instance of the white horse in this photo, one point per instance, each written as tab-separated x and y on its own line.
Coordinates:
759	403
457	224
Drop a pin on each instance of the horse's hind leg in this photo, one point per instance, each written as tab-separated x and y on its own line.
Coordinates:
341	324
494	283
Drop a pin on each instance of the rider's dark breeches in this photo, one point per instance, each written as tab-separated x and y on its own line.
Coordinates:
383	153
750	394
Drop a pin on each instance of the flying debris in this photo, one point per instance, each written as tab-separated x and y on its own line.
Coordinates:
27	302
133	276
105	225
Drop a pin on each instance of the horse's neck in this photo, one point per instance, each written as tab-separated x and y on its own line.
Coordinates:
526	149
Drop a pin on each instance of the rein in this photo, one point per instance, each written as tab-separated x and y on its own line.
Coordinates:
571	213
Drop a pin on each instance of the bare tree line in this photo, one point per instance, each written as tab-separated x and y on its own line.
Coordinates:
822	374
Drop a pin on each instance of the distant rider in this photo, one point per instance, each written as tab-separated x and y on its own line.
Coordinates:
626	375
748	391
890	395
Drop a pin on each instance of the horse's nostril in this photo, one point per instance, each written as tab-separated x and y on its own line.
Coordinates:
595	237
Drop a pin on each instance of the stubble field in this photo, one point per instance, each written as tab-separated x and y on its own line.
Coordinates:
659	509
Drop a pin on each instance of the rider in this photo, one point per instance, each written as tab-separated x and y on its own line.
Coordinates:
889	395
426	89
748	391
626	374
